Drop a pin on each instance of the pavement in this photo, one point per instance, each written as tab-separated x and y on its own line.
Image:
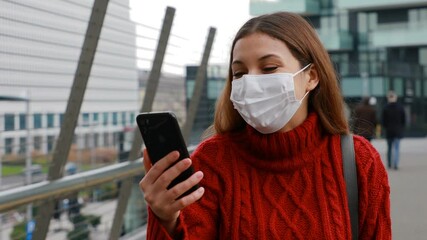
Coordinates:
408	188
58	229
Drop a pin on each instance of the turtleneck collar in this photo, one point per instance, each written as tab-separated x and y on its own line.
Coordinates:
281	149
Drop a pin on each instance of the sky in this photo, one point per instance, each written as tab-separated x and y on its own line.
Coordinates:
190	29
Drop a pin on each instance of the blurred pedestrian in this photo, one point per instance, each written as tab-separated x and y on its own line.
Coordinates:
365	119
393	120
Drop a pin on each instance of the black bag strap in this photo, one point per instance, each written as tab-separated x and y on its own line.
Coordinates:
350	176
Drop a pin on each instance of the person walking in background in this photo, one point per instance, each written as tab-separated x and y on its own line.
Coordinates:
365	119
393	120
273	169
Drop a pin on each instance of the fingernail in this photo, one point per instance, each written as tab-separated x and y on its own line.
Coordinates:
200	190
199	174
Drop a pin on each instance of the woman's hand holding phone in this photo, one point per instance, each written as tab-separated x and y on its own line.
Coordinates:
165	203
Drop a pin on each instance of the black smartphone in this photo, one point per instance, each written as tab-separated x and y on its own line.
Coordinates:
161	134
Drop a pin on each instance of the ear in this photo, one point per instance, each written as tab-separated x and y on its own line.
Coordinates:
313	78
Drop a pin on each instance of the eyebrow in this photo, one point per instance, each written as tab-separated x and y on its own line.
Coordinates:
259	59
268	56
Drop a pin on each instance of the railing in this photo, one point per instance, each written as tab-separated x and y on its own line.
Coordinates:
81	194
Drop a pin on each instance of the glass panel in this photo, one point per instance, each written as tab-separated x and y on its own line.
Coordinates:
190	88
124	118
22	145
372	21
362	22
105	119
95	140
9	122
61	119
351	87
106	139
423	56
398	86
343	18
8	143
50	143
22	121
386	84
50	120
425	87
215	88
87	140
95	117
85	119
37	120
115	118
417	87
132	118
377	86
38	143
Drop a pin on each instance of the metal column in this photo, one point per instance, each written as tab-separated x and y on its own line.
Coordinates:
72	111
150	91
198	87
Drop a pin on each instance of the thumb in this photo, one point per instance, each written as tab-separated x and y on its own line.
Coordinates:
146	160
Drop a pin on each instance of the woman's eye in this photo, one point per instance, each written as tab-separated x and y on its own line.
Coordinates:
269	69
238	75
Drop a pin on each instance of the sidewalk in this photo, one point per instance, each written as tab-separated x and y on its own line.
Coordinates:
408	188
58	229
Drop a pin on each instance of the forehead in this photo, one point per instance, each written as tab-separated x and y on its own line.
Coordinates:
257	45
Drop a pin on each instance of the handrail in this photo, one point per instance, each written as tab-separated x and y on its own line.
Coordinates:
12	198
16	197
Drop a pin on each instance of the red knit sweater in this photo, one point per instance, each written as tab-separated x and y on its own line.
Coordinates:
282	186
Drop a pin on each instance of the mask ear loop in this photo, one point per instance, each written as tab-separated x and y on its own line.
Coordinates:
300	101
302	69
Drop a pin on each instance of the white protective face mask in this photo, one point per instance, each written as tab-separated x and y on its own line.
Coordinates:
266	102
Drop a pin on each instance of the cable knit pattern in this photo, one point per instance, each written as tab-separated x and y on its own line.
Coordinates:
282	186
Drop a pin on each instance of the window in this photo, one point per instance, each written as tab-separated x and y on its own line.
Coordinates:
314	20
393	16
105	119
132	118
61	119
215	87
50	120
85	119
9	122
38	143
115	120
116	138
95	140
95	118
22	145
22	121
37	120
106	139
87	138
190	87
50	143
124	118
8	143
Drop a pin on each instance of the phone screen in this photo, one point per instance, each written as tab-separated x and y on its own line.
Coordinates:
162	135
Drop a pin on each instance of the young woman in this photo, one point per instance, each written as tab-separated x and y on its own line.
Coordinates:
273	169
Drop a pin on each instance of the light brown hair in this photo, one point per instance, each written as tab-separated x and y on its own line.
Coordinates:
301	39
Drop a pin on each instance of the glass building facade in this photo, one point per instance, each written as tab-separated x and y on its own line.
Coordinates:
376	46
215	80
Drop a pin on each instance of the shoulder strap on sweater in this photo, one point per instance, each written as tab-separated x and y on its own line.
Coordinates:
350	176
